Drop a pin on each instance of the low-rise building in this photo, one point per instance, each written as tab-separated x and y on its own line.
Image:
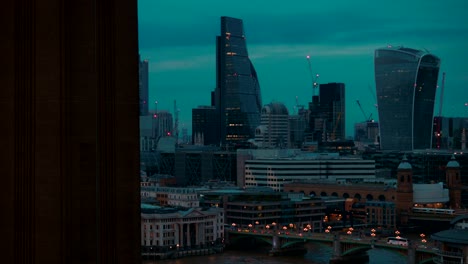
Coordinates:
453	243
252	209
163	227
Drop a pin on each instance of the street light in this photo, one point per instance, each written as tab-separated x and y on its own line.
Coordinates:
423	238
268	227
397	233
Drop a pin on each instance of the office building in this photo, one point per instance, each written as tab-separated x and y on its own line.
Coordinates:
237	95
327	114
332	104
69	159
273	131
143	87
205	126
275	167
450	133
406	81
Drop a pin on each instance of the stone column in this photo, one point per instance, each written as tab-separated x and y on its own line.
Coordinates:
188	234
336	247
411	253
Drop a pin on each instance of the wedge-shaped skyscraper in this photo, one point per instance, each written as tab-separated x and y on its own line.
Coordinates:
237	95
406	82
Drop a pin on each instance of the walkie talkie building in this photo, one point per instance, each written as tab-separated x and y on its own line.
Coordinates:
406	82
237	95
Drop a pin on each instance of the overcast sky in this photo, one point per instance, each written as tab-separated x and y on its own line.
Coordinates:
178	39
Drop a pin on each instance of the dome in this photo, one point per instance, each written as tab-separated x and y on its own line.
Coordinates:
404	164
453	163
275	108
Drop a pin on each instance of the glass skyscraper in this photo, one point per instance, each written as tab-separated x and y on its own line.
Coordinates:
406	82
237	94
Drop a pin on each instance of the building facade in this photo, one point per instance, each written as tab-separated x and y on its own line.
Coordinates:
205	126
263	209
274	173
273	131
332	105
237	94
164	228
452	244
406	81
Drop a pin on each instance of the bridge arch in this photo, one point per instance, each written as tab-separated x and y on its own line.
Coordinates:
312	194
369	197
292	243
382	198
323	193
357	196
346	195
356	250
334	194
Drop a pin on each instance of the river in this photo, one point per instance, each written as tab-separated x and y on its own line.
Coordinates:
316	254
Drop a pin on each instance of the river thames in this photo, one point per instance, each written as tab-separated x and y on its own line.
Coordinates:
316	254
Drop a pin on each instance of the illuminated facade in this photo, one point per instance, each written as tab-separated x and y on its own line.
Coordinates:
406	81
237	94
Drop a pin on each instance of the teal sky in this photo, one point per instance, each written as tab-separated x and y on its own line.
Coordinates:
178	39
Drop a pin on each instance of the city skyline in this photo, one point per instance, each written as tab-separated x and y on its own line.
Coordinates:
179	43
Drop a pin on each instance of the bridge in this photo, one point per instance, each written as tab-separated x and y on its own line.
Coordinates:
345	247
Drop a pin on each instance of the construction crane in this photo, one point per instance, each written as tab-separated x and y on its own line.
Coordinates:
333	135
314	78
439	118
368	119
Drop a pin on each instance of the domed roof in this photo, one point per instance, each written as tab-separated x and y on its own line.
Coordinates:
275	108
453	163
404	164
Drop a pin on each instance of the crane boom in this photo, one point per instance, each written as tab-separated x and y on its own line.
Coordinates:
314	78
363	113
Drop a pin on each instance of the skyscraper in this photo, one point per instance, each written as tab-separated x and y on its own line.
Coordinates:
327	113
332	104
143	87
406	81
69	162
237	94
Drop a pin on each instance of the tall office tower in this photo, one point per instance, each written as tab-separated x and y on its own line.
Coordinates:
332	108
274	127
69	159
205	126
406	81
144	87
237	93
